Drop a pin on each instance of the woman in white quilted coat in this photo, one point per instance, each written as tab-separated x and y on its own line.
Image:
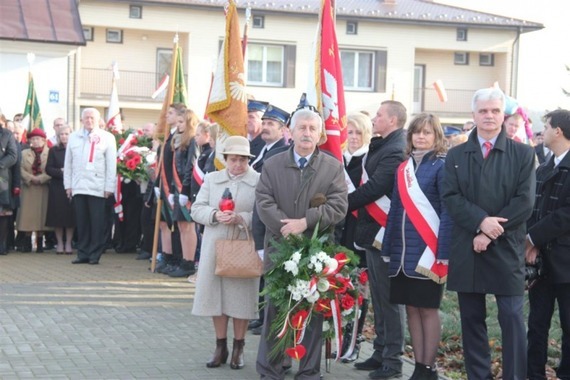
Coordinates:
217	297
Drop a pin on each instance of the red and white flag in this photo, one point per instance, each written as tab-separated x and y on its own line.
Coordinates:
114	112
162	86
326	89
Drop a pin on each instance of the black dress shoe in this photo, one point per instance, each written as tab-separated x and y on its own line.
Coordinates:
253	324
370	364
93	262
80	261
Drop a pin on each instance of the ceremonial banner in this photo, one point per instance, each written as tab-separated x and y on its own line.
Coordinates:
32	113
114	122
326	89
227	104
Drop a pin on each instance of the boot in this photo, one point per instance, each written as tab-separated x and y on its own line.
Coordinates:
185	269
161	265
418	371
220	354
430	373
237	354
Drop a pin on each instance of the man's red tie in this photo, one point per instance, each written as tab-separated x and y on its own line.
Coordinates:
488	146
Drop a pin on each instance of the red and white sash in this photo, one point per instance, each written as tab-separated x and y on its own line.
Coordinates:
424	218
378	210
198	174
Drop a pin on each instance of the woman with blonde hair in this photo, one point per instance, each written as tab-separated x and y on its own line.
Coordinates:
179	159
417	239
359	130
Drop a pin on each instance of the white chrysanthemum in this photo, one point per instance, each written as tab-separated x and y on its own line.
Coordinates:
326	326
310	265
322	256
318	267
296	257
295	293
291	267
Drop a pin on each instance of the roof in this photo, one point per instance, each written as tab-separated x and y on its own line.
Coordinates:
400	11
53	21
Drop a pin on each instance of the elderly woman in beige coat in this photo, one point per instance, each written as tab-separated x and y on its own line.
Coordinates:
34	192
220	297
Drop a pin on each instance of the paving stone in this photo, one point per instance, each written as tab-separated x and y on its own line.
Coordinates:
112	321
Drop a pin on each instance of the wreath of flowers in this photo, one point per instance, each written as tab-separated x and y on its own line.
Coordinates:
134	155
311	276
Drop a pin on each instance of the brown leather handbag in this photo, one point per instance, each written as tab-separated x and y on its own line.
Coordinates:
237	258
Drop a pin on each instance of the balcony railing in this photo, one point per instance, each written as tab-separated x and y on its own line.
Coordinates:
458	102
132	85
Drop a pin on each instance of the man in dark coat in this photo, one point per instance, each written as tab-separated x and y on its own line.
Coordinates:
549	237
289	183
385	153
488	189
8	158
255	109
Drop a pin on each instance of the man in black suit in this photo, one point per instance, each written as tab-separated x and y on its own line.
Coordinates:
549	238
255	110
488	190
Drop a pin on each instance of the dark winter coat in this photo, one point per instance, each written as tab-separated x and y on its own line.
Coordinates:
403	244
549	226
384	156
502	185
8	158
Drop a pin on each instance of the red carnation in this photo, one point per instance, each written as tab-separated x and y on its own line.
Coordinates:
347	302
137	158
363	277
121	141
131	164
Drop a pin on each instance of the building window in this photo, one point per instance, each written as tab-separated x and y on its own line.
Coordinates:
461	58
461	34
163	63
258	22
88	33
135	11
486	59
351	27
115	36
265	65
358	70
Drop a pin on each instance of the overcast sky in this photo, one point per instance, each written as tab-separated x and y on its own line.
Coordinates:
544	53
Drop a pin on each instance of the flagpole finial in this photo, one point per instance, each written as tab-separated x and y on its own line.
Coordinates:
115	70
175	40
31	58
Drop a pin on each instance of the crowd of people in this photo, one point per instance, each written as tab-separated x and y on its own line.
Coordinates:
424	207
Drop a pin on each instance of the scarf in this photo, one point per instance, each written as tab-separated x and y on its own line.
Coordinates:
37	164
357	153
418	156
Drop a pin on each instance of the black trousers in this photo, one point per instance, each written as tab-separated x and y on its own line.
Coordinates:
472	307
147	221
128	231
542	297
90	217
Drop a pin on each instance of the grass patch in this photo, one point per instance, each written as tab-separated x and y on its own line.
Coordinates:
450	354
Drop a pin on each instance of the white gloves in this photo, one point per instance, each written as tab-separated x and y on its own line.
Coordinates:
171	199
261	253
183	200
157	192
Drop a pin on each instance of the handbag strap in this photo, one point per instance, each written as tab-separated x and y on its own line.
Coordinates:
235	236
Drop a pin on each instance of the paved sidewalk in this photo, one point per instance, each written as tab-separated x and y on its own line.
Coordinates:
115	320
